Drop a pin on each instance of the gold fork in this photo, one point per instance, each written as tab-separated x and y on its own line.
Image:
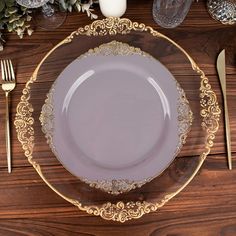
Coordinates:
8	84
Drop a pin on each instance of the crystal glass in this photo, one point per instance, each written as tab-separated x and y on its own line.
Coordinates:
170	13
49	17
223	10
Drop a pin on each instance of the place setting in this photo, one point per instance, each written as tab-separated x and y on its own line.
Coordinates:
108	120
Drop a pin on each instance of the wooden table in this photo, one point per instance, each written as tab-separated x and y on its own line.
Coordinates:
206	207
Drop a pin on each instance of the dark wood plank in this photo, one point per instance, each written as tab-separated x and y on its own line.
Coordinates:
210	225
212	188
201	36
207	204
191	147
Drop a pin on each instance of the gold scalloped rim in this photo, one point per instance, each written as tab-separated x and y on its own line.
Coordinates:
210	113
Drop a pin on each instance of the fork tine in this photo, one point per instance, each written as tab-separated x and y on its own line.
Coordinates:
12	70
2	70
8	71
5	70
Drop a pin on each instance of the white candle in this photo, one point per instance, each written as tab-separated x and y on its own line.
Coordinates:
114	8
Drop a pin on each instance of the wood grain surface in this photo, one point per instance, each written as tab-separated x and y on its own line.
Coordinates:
206	207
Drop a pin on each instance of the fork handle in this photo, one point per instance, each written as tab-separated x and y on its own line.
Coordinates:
8	143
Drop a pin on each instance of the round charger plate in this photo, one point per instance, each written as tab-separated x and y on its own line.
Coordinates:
117	117
159	191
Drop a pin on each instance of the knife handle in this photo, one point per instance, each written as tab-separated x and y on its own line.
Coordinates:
227	131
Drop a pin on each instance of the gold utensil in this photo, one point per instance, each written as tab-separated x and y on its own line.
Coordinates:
8	84
222	75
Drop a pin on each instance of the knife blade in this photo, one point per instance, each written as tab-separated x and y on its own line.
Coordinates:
221	68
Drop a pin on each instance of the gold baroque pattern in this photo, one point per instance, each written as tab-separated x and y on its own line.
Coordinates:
115	48
185	119
120	211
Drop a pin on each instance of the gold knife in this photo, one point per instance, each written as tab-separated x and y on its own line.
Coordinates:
222	75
